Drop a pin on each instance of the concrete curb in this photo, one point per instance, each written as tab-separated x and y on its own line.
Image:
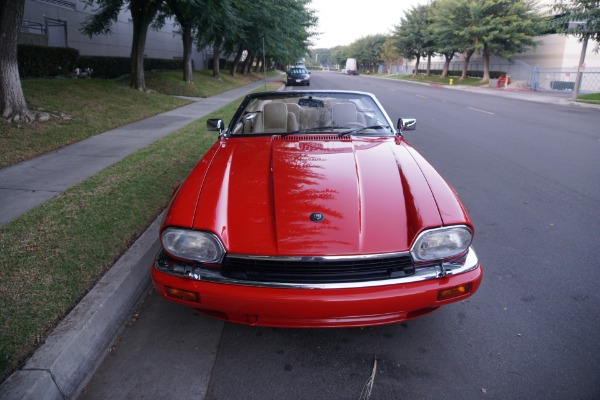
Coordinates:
61	367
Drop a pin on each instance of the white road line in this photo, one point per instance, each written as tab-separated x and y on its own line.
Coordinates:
478	110
423	97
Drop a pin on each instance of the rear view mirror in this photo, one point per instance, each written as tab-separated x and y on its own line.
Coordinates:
407	124
215	124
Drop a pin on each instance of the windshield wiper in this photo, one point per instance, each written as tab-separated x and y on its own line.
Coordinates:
350	132
316	129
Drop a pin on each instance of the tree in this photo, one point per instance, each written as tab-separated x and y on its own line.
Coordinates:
410	35
186	15
506	27
143	13
580	18
12	101
455	29
339	54
389	53
218	19
585	14
367	50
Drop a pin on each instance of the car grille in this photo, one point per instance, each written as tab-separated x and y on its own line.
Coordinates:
313	137
317	271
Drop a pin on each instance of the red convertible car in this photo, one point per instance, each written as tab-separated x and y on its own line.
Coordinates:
312	210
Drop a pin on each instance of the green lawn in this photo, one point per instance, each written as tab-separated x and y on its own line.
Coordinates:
435	79
92	106
593	98
51	256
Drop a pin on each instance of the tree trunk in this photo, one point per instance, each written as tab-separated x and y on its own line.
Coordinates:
216	54
465	70
416	72
12	101
486	64
447	60
142	14
428	72
249	63
236	61
186	37
138	46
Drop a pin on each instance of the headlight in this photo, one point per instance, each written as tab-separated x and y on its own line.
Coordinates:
441	243
193	245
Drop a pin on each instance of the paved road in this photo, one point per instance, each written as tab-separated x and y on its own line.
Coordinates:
529	173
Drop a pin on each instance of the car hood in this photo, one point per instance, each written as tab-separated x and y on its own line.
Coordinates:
258	195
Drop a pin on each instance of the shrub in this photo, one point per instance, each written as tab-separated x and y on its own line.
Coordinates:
470	74
44	62
113	67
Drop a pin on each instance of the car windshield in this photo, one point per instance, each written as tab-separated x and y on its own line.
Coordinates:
298	71
343	113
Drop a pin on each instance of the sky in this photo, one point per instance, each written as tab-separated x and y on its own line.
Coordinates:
343	22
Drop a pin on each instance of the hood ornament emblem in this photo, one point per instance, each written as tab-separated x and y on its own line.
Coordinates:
317	217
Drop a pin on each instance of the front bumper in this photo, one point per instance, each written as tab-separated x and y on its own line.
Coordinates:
319	305
297	81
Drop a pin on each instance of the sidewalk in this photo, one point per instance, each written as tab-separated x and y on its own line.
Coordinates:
28	184
70	355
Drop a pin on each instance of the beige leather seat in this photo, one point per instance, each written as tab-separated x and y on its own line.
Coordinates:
275	118
344	114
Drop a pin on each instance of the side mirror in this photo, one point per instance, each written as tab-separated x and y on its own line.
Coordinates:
407	124
215	124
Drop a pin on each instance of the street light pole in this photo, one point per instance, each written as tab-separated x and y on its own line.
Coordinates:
580	69
264	65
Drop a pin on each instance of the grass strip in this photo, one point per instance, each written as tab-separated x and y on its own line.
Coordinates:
203	85
54	254
592	98
82	108
436	79
88	107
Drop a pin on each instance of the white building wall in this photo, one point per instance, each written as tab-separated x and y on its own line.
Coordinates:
165	43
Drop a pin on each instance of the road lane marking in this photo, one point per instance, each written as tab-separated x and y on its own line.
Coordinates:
482	111
421	96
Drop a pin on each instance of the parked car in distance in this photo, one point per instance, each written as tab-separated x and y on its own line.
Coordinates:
312	210
298	76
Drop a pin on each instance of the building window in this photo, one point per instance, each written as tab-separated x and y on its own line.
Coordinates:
60	3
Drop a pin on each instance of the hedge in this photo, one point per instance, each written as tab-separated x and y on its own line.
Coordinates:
471	74
113	67
44	62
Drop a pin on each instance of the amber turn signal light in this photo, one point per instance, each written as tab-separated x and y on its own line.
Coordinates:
182	294
455	291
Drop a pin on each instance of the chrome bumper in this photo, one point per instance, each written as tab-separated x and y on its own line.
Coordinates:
436	271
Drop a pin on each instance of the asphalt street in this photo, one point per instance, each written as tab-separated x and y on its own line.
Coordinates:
527	168
526	165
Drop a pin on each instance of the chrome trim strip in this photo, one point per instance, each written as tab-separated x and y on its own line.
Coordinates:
466	264
361	257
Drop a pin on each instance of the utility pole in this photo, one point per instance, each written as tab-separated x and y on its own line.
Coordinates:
264	65
580	68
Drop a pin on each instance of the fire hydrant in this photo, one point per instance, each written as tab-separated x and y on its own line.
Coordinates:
503	81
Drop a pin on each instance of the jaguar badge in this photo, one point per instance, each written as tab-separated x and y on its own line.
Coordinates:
317	217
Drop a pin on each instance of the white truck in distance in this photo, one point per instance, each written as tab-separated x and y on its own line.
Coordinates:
351	67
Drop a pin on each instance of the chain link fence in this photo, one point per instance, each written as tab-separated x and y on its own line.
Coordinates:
521	74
